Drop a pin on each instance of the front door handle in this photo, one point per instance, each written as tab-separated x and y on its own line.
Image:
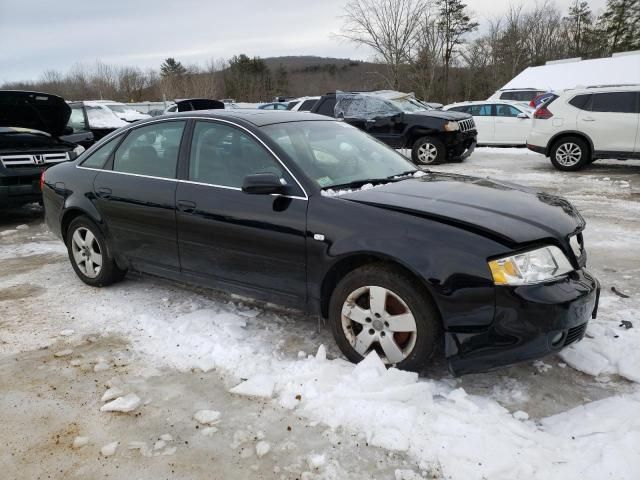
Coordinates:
589	119
104	193
186	206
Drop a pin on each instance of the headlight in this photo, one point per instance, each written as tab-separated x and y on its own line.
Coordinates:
451	126
76	152
536	266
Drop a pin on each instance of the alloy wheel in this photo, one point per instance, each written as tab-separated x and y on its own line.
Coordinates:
568	154
86	252
427	153
375	318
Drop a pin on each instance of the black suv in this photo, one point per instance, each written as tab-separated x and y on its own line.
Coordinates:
401	121
31	125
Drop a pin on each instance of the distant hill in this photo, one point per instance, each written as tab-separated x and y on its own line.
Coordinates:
310	75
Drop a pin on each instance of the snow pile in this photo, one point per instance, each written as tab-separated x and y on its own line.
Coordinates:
609	347
125	404
442	427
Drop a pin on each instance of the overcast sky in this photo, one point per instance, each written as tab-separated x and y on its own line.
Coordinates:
39	35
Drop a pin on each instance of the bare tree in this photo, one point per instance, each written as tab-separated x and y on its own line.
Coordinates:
427	59
388	27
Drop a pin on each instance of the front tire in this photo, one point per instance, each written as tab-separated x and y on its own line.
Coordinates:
428	151
89	254
379	308
570	154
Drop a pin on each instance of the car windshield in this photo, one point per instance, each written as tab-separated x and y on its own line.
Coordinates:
408	105
335	154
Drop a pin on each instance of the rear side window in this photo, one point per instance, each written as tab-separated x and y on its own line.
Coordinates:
327	107
99	157
618	102
480	110
151	150
521	95
581	101
307	105
506	111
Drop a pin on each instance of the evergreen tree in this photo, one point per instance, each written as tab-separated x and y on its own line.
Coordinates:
620	24
172	68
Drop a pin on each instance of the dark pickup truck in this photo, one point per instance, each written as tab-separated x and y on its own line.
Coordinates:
32	138
401	121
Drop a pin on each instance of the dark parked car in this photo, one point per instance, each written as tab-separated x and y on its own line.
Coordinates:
301	210
89	122
401	121
191	104
32	138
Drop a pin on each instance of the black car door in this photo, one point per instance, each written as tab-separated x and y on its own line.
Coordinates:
252	244
135	194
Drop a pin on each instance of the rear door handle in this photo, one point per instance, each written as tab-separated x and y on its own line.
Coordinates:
104	193
186	206
589	119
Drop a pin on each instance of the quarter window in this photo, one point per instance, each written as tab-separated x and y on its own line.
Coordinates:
100	156
618	102
225	155
150	150
581	101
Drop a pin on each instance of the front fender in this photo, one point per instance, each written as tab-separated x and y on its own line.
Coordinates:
451	262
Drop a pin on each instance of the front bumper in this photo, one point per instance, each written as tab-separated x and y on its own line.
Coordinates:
460	145
16	190
530	322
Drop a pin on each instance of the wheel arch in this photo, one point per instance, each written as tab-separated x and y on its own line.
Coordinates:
416	132
353	261
569	133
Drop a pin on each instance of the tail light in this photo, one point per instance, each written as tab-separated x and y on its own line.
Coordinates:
532	103
42	180
542	113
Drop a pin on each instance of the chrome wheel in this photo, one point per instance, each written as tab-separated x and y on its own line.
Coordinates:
86	252
568	154
375	318
427	153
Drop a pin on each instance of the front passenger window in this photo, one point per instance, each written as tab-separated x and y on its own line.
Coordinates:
151	150
223	155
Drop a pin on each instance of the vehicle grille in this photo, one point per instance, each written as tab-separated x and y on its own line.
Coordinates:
28	160
574	334
466	125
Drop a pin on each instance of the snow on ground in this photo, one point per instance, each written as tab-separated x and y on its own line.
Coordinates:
445	429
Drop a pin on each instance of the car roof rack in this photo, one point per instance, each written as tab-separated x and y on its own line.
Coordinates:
613	85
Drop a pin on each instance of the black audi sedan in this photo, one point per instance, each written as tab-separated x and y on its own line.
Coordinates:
309	212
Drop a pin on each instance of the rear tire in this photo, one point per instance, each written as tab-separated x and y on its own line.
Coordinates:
428	151
90	255
570	154
402	328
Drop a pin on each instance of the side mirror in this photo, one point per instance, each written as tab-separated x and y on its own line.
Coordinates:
523	115
263	184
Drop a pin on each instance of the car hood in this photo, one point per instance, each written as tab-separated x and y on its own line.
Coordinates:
442	114
34	110
509	213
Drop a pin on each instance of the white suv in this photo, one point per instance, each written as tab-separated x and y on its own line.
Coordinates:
583	125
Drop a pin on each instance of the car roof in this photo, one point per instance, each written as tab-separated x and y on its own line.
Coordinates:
257	117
